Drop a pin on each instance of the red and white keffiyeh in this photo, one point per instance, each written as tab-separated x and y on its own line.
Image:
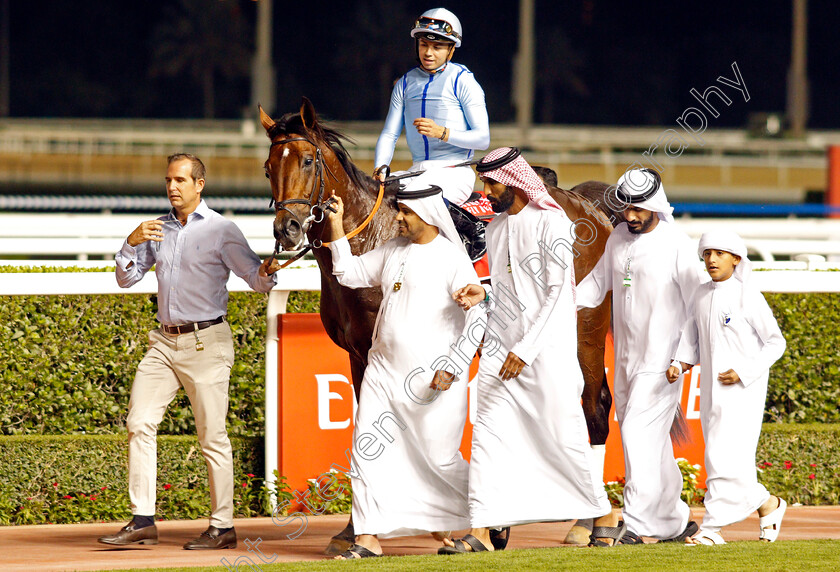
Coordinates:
519	174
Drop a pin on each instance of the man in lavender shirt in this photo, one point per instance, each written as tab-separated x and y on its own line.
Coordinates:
193	250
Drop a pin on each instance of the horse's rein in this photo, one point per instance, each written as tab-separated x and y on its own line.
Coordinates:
320	207
369	218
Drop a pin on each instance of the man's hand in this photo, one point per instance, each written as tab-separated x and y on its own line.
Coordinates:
512	367
148	230
729	377
269	266
336	218
442	380
674	372
381	173
469	296
427	127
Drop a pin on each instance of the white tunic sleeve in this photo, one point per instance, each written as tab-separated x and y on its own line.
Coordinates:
688	274
689	350
357	271
592	290
760	317
529	347
475	321
558	269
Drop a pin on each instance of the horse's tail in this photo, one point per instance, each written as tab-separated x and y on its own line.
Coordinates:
680	433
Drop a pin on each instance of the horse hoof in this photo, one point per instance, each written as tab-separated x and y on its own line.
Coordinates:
578	535
338	545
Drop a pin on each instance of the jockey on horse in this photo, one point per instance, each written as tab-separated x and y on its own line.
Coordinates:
442	108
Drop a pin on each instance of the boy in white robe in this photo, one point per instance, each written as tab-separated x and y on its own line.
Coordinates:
530	432
734	334
408	474
650	266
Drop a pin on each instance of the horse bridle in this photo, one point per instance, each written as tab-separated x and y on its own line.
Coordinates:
317	208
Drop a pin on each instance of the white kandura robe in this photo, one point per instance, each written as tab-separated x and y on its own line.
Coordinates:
648	317
418	482
531	460
731	415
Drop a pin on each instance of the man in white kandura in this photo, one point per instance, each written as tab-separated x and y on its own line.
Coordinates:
736	338
408	475
531	460
440	105
653	272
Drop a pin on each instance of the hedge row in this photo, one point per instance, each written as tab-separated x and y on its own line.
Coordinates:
801	462
79	478
66	478
805	383
68	361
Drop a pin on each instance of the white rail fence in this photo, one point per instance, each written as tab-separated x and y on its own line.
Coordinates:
82	236
306	276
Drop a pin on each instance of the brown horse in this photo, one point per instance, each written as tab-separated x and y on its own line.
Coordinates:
307	163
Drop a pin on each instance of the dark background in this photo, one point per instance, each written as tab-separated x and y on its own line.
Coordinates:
598	62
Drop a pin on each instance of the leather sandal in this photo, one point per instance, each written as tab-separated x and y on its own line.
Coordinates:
690	529
357	551
614	532
631	538
499	538
461	546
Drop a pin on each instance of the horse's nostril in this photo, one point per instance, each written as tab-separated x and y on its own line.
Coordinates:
292	228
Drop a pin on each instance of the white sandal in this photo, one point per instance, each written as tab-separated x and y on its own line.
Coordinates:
706	538
772	523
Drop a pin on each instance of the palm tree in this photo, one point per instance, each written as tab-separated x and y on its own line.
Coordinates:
202	38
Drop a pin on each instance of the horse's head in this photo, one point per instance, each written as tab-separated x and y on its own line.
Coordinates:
297	168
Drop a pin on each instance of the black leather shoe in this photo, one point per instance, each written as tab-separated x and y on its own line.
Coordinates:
130	534
210	539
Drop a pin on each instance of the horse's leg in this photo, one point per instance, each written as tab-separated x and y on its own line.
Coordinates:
347	537
596	399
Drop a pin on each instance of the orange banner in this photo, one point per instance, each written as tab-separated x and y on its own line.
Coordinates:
316	406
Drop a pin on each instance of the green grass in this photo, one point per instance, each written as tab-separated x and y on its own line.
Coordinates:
782	556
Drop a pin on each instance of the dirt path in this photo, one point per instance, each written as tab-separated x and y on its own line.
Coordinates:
73	546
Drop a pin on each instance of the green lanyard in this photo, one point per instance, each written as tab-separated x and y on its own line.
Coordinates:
626	280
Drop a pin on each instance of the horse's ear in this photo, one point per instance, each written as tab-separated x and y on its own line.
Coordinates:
265	119
307	113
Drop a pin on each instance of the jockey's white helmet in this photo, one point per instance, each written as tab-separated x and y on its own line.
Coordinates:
438	24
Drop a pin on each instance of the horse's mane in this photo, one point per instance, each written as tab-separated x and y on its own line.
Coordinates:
596	193
292	123
578	198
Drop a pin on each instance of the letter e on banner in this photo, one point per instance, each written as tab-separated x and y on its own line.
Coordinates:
692	406
326	395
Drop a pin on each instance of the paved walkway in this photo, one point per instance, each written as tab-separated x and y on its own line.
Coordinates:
68	547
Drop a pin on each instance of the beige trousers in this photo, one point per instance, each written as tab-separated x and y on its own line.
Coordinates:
170	363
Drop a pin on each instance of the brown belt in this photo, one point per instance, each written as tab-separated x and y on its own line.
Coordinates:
192	327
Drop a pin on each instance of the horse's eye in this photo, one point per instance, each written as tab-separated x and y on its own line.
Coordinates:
307	162
267	176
